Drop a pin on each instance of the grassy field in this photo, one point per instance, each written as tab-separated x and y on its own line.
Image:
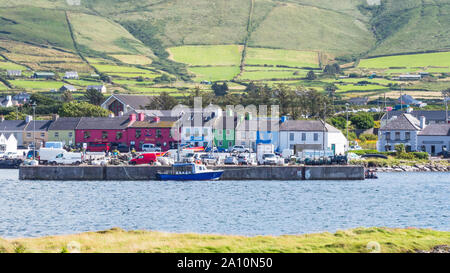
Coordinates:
214	73
103	35
441	59
293	58
37	84
268	74
226	55
11	66
133	59
349	241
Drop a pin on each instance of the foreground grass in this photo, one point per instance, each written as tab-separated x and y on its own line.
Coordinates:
117	240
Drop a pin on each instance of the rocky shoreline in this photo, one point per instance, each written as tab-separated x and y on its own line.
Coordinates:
415	168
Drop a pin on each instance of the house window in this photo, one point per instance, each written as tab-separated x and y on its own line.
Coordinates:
303	136
158	133
230	143
118	135
388	135
56	134
28	134
86	135
70	134
188	132
138	133
397	135
291	136
316	136
197	133
228	132
205	131
42	134
220	142
291	146
104	134
407	135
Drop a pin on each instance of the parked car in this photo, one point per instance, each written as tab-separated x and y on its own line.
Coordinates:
270	159
240	149
123	148
148	147
12	155
149	158
208	159
230	160
244	159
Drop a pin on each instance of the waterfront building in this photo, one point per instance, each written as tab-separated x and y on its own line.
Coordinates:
63	130
299	135
36	131
224	131
402	129
434	139
155	130
103	130
8	143
431	116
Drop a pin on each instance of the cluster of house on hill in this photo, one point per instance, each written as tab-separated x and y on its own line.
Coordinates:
16	100
133	126
427	131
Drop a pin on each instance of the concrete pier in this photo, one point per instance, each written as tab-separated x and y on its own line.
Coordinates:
114	173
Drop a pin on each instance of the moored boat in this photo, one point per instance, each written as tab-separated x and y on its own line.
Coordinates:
189	171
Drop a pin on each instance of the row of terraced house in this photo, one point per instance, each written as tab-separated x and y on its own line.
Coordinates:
130	124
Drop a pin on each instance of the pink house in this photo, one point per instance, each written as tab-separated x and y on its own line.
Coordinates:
98	133
154	130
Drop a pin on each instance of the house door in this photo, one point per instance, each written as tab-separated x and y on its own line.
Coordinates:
333	148
433	149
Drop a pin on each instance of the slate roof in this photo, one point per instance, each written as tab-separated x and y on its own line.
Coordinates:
429	115
265	125
115	123
68	87
12	125
404	122
164	122
155	113
436	130
134	101
303	125
40	125
64	124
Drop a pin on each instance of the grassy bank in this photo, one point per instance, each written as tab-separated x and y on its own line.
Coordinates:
117	240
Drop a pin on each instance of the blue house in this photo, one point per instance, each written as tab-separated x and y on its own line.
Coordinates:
257	131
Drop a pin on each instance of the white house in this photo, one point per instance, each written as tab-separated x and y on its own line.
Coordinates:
301	135
434	138
99	88
8	143
197	127
402	129
71	75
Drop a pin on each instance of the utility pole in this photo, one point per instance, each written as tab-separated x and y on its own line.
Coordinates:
346	126
324	126
34	130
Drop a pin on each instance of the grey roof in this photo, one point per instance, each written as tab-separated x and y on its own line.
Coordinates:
303	125
38	125
44	73
12	125
258	125
155	113
134	101
115	123
436	130
428	114
68	87
68	124
404	122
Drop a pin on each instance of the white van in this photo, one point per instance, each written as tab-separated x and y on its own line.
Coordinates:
48	154
67	158
148	147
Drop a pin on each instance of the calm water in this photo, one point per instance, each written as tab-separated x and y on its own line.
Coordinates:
37	208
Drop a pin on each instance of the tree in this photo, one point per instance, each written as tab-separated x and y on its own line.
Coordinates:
332	69
67	96
15	115
82	109
338	122
363	121
311	75
162	102
220	89
94	97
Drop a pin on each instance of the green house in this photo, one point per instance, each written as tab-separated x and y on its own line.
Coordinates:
63	130
224	132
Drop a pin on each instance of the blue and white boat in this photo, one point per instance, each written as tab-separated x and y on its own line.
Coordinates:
189	171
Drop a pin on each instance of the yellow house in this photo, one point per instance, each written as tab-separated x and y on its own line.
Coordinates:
36	130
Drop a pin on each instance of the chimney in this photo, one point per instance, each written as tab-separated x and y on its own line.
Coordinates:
28	119
55	117
141	117
422	122
156	119
9	98
132	117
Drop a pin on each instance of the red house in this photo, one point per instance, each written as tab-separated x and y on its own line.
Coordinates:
154	130
98	133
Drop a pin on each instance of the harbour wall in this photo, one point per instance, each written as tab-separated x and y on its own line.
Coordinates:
119	173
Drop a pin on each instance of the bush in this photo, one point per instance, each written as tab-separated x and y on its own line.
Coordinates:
366	137
421	155
363	121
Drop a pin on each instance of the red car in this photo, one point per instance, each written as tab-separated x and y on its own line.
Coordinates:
149	158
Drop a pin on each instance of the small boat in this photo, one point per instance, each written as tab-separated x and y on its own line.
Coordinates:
189	171
370	175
